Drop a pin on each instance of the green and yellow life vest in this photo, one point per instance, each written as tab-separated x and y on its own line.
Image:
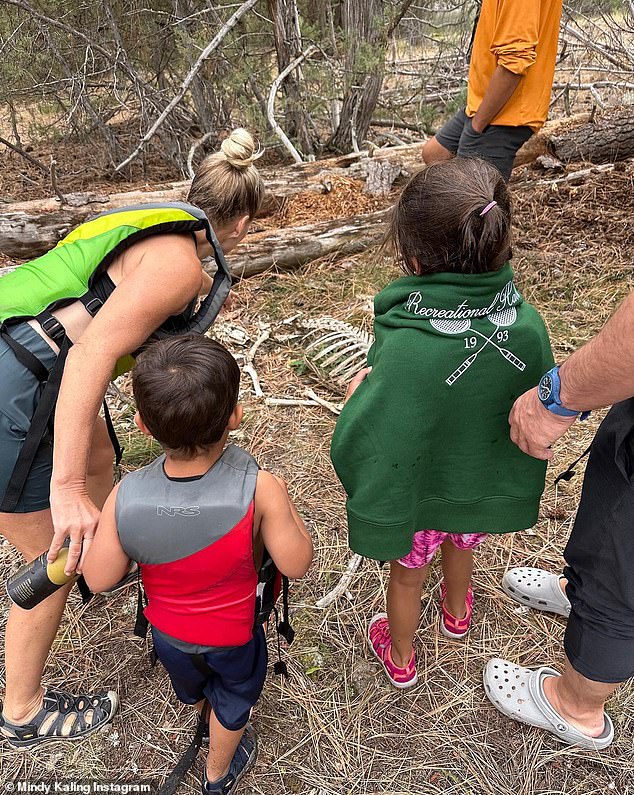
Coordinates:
68	271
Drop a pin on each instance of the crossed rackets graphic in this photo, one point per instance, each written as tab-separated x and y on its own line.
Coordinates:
500	320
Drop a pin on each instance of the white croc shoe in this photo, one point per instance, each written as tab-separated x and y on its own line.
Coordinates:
536	588
518	693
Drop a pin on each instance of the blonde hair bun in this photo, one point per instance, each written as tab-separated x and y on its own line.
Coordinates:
239	149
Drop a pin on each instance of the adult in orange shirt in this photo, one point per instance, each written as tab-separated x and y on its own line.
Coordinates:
510	81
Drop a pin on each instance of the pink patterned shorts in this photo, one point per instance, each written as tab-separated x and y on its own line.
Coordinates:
426	543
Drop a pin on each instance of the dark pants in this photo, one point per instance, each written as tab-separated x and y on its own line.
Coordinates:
599	639
497	143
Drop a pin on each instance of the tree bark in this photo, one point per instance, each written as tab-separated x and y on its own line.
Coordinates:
363	28
604	137
288	46
284	249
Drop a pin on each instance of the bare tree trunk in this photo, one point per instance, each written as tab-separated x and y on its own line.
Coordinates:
288	45
363	27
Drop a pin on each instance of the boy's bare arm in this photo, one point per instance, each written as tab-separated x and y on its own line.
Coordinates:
283	531
106	563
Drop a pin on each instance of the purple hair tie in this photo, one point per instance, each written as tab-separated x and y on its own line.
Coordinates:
488	207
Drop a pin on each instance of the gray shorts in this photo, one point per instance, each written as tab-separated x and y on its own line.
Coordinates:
19	394
497	143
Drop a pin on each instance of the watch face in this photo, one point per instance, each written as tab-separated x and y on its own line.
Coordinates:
545	388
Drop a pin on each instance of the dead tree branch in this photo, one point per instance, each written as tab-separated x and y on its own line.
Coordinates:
213	45
270	111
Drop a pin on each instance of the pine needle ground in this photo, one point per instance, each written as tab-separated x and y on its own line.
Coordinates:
337	726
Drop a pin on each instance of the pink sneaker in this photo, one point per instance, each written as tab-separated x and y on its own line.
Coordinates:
450	626
381	644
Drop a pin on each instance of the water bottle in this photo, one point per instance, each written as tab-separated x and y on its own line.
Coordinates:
36	580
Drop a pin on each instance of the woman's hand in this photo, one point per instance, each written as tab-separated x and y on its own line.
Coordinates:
75	516
356	382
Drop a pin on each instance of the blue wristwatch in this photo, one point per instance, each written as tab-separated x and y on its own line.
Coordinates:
548	391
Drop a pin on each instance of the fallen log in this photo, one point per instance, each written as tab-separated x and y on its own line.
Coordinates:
604	137
284	249
28	229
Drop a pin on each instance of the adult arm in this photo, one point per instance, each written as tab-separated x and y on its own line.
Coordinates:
500	89
597	375
162	284
106	563
514	47
284	534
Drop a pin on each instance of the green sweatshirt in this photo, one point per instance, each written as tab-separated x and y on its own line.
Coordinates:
424	441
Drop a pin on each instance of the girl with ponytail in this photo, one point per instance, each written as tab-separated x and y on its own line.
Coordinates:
422	445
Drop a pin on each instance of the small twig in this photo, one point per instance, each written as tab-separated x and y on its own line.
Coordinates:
53	175
270	111
336	409
194	149
289	402
343	584
248	367
577	175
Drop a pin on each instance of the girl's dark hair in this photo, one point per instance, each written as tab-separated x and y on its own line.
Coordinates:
186	388
437	224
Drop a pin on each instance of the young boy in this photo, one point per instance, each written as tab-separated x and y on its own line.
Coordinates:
196	521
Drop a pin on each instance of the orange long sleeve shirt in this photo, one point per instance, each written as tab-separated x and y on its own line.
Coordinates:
521	36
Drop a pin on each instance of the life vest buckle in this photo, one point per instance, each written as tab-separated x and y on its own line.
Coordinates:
52	327
93	305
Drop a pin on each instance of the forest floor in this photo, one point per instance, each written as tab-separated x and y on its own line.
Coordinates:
336	726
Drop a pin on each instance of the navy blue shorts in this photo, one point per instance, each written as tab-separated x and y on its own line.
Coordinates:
19	395
235	686
497	143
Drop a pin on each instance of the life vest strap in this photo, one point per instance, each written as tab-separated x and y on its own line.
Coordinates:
39	425
24	356
53	328
92	304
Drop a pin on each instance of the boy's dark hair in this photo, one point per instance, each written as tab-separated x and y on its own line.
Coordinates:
437	224
185	389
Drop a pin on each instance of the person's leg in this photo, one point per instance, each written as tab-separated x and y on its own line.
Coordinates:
222	746
434	151
444	145
579	700
403	608
29	633
457	570
233	691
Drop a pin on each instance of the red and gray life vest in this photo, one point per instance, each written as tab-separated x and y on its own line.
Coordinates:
193	541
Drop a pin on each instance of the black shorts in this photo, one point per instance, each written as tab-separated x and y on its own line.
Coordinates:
599	639
232	689
497	143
